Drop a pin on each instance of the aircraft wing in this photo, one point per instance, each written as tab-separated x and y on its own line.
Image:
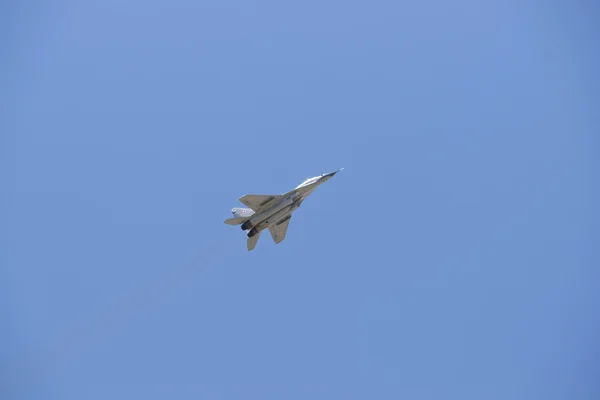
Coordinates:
279	229
257	201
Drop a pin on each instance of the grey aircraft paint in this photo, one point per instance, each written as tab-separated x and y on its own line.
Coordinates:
273	212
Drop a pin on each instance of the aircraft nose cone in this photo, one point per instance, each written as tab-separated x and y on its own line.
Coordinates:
329	175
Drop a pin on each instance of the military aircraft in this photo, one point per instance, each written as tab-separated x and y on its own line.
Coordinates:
273	211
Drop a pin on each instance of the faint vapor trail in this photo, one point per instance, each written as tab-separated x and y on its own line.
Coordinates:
159	287
99	327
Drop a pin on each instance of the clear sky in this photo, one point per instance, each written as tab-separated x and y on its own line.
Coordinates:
455	257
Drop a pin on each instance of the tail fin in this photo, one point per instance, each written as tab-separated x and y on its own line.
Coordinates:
252	241
242	212
240	215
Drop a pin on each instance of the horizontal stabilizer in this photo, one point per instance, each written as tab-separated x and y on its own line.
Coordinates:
279	229
235	221
252	241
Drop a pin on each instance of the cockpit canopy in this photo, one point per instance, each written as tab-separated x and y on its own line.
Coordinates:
309	181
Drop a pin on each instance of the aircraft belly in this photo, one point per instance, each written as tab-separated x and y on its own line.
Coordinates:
267	214
272	212
274	218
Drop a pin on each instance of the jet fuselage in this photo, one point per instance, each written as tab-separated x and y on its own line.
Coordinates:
273	211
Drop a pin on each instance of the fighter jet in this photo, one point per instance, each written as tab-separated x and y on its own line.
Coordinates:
273	211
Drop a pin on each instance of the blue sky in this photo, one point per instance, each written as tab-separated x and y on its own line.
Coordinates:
455	257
